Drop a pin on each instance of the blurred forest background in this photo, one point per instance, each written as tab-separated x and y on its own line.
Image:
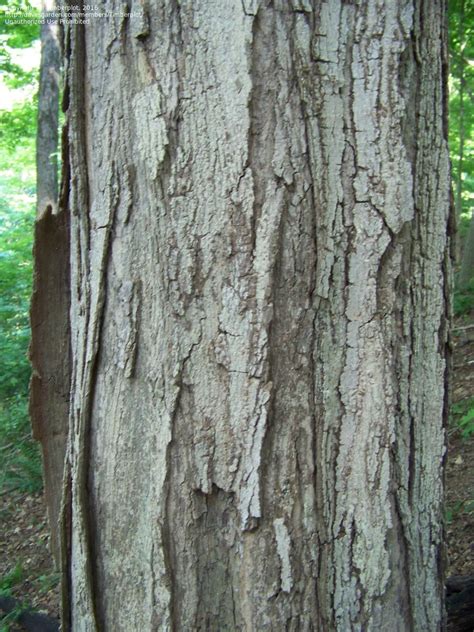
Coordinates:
19	65
20	462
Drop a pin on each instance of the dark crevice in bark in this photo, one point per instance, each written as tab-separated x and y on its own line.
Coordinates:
65	43
170	552
65	517
166	525
263	74
306	74
217	606
65	532
408	85
88	474
63	202
81	208
399	287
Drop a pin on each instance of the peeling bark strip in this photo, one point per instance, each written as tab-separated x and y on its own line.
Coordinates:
50	356
259	307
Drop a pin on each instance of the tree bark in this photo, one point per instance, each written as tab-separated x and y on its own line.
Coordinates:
48	112
49	314
259	204
50	358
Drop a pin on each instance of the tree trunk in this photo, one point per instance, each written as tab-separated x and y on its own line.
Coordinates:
461	114
48	106
259	204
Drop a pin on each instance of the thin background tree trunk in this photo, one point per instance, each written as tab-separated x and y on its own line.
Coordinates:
259	304
48	110
462	86
466	272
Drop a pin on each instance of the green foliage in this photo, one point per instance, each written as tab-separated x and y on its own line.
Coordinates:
15	291
11	579
459	508
18	124
19	454
20	464
48	582
463	302
24	33
14	75
462	416
453	511
466	423
7	582
461	101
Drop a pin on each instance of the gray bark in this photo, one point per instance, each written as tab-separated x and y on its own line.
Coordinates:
259	202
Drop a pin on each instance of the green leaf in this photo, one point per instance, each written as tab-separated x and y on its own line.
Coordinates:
466	423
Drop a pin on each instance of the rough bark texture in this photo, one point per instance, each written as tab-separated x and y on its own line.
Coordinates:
260	263
50	357
48	109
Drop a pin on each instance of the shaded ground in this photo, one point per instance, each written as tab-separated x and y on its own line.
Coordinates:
460	466
25	561
24	534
